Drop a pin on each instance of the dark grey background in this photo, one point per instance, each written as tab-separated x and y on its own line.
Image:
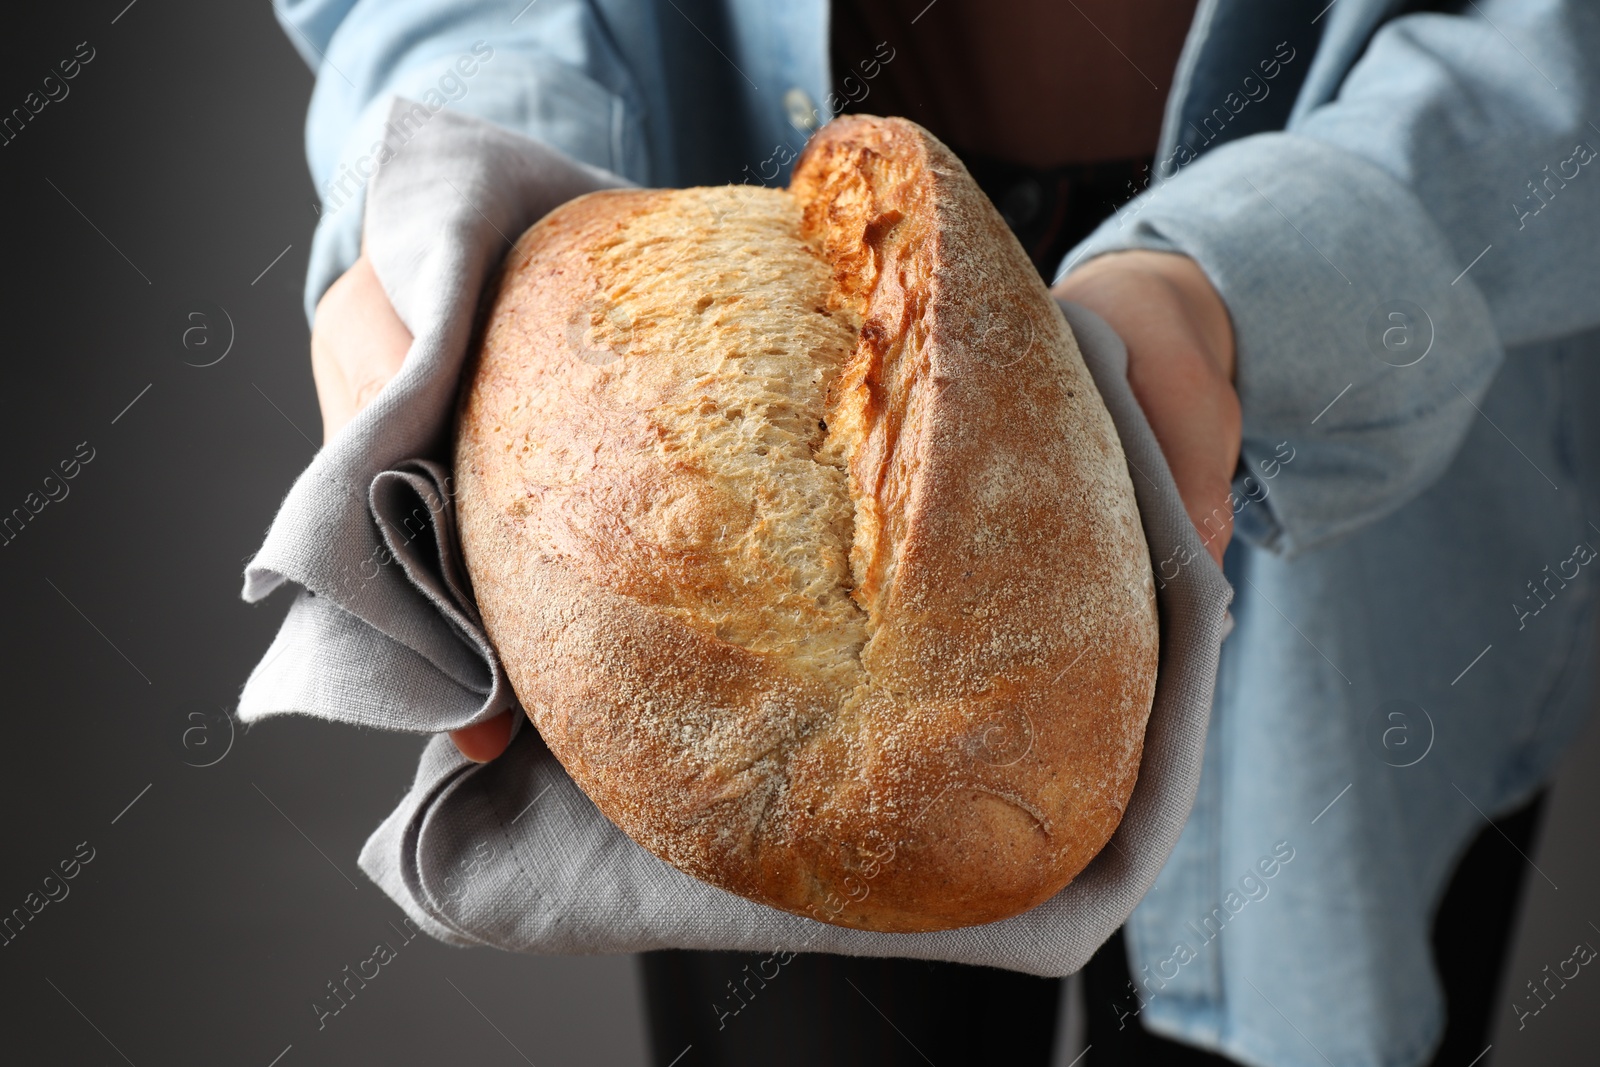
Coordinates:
206	923
218	906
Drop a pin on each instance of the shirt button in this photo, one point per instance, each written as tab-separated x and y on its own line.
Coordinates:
801	109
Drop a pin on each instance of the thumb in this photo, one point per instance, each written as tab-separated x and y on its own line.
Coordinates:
358	343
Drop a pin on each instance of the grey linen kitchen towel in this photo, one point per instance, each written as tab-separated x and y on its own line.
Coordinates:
383	632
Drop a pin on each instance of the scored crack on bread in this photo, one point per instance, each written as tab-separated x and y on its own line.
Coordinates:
806	540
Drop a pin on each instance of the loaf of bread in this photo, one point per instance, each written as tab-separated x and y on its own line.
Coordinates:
807	541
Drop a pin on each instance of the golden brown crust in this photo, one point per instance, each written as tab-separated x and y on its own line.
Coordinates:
806	540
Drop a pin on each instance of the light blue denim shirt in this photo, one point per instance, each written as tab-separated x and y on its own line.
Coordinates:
1401	211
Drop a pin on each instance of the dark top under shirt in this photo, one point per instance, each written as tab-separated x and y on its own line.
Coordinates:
1055	107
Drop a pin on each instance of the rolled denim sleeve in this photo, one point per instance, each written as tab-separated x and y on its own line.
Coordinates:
549	70
1448	183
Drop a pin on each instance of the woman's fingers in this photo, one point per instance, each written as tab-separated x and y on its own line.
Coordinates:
486	740
357	345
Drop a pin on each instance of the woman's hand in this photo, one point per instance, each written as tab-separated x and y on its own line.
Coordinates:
357	345
1180	365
